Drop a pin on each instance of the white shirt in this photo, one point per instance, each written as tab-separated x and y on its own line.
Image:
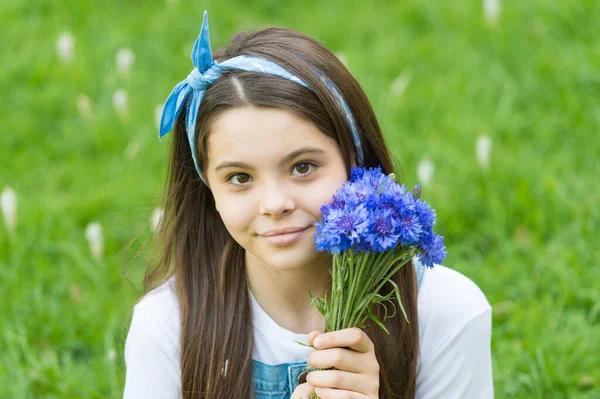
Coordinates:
454	334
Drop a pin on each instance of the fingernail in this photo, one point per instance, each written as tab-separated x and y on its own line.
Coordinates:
317	342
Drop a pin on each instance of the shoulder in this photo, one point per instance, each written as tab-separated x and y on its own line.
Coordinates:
449	297
152	346
157	314
455	325
448	301
161	302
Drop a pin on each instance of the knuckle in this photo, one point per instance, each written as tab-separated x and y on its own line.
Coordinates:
376	367
337	356
337	379
357	335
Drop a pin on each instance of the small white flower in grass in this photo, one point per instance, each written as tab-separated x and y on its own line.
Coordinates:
343	58
133	148
84	106
8	201
491	11
120	102
400	84
158	114
125	59
425	171
111	354
156	218
483	148
65	46
93	233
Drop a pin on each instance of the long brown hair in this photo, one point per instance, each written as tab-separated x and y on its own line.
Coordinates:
208	265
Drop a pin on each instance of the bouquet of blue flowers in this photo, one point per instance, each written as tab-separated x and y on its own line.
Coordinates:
373	226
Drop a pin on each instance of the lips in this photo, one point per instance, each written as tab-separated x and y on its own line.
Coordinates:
284	237
287	230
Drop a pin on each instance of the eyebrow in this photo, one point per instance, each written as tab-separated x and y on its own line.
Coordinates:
284	160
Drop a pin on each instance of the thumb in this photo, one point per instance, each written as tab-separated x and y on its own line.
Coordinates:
312	336
303	391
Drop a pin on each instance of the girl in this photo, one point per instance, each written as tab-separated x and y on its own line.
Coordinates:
264	134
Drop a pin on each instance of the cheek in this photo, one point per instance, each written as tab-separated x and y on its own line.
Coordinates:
323	193
236	215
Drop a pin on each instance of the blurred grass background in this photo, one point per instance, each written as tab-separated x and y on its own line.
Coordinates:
439	75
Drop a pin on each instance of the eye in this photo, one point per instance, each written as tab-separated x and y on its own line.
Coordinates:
305	168
242	178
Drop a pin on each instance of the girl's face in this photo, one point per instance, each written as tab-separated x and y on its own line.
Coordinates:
270	170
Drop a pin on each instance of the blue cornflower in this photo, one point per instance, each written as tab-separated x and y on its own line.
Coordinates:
402	210
358	193
409	229
338	203
357	173
393	189
434	250
372	177
382	234
342	228
394	201
425	214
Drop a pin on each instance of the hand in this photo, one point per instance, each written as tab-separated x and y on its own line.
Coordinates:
352	353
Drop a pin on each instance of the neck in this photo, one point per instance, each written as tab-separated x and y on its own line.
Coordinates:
283	294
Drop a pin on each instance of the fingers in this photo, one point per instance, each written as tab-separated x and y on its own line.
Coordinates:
342	380
343	359
312	335
353	338
327	393
303	391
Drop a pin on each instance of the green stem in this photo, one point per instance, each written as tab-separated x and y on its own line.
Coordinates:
349	322
335	291
364	288
351	284
338	284
383	264
352	280
386	278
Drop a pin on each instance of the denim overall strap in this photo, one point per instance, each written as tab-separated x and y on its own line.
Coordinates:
275	381
420	271
279	381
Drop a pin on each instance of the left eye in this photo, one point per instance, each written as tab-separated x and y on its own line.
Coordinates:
304	168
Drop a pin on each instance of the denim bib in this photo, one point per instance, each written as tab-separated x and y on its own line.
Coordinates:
279	381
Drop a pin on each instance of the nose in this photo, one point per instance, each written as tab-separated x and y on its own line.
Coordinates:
276	200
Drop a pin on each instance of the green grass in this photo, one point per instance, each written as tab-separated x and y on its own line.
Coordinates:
526	230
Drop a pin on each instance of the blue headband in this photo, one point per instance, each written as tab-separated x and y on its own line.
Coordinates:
207	71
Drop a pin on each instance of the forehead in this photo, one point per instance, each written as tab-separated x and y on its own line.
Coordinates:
262	133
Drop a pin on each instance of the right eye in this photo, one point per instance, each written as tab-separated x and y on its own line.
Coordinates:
242	178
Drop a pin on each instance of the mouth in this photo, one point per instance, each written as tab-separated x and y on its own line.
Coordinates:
285	237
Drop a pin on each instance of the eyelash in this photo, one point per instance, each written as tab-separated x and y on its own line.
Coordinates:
312	164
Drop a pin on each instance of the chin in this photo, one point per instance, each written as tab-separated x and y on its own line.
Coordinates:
293	260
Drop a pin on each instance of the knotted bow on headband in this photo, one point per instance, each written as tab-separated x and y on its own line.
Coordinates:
207	71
